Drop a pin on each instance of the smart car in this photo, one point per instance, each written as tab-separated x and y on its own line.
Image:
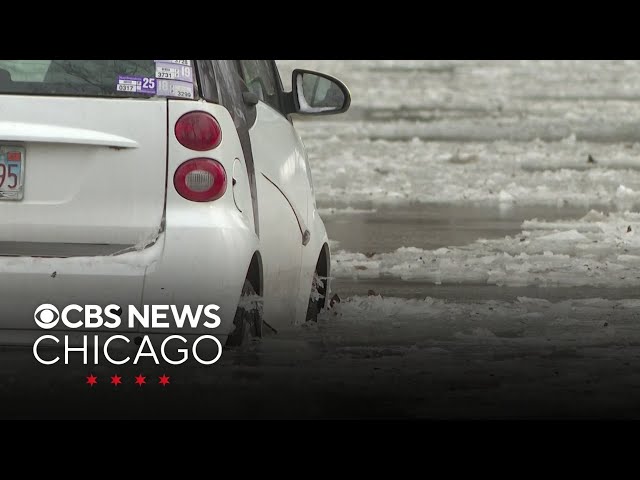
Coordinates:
160	182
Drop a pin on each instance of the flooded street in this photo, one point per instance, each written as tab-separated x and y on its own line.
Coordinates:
484	221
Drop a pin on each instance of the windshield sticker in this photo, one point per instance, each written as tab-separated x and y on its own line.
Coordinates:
144	85
186	63
174	88
172	71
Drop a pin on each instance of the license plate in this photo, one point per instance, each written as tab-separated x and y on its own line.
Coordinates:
11	172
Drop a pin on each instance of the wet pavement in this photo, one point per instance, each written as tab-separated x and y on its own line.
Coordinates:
391	287
435	226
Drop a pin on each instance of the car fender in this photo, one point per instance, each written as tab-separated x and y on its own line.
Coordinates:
310	253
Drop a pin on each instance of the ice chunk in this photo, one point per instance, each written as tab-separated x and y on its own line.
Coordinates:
624	192
567	236
593	216
505	197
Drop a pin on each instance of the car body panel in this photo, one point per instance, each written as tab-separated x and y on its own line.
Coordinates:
208	245
282	186
27	282
92	174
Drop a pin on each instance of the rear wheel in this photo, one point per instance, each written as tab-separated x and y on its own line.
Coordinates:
316	298
248	318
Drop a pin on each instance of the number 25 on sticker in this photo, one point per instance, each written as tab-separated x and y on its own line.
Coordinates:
149	83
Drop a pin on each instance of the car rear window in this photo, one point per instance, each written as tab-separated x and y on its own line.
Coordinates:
103	78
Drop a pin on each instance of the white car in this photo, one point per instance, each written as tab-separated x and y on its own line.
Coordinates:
160	182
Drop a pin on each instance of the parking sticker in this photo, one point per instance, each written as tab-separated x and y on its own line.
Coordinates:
144	85
174	88
173	71
173	78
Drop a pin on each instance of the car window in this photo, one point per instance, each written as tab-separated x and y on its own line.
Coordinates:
259	79
104	78
206	80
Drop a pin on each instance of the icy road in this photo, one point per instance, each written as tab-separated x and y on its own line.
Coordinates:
485	228
485	235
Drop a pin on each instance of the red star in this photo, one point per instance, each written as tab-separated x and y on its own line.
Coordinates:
164	380
140	380
92	380
116	380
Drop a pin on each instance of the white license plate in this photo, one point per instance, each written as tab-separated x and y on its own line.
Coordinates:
11	172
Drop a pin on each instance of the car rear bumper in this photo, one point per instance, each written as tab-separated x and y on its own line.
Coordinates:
200	259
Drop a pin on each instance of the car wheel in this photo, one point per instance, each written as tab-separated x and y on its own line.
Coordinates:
316	298
248	318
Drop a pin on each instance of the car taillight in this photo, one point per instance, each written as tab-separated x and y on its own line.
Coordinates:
198	131
200	180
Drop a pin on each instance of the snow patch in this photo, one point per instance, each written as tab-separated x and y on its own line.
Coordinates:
568	236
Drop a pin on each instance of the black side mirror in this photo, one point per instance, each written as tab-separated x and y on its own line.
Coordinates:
318	94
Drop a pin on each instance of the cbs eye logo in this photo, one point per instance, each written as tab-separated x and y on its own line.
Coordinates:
46	316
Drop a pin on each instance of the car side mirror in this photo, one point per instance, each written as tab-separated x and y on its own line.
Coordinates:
318	94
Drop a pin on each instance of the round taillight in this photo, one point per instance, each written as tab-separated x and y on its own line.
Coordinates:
198	131
200	180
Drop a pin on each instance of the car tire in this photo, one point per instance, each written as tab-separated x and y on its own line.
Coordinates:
247	321
315	304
